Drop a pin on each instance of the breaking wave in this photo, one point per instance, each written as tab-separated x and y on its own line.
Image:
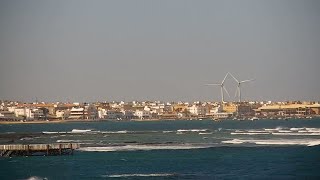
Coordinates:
306	142
205	133
296	134
72	141
192	130
249	133
143	147
36	178
280	131
80	130
137	175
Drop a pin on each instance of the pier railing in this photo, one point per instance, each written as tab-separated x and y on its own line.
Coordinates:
23	147
30	149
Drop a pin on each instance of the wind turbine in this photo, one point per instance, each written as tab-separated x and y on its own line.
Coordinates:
222	88
238	91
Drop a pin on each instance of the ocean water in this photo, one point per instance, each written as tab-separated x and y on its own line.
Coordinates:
264	149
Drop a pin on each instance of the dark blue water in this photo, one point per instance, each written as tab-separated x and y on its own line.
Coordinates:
219	161
213	163
159	125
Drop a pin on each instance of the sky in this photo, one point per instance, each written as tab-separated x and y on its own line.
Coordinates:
84	51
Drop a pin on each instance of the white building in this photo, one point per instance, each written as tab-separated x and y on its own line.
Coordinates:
102	113
143	114
24	112
60	114
214	110
197	110
76	113
11	108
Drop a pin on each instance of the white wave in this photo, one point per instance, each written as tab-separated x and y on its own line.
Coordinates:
121	132
36	178
67	141
143	148
303	131
50	132
314	143
307	142
274	129
138	175
80	130
249	133
234	141
115	132
203	133
284	131
26	139
296	129
257	131
296	134
313	129
192	130
54	132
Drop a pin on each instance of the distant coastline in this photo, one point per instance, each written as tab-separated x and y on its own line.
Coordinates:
4	122
12	112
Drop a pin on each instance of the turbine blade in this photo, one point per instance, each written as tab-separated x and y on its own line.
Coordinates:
247	80
226	91
234	78
224	78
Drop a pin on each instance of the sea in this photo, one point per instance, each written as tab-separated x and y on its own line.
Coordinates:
180	149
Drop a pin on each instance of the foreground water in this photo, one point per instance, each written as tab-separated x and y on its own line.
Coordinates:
266	149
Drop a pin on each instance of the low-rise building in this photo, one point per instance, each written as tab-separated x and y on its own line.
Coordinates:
290	109
197	110
111	114
230	108
142	114
38	114
24	113
76	113
222	115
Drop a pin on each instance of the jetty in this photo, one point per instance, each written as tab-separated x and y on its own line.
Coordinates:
38	149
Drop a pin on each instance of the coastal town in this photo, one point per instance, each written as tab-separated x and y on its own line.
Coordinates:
23	112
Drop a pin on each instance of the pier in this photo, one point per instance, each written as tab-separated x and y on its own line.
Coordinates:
38	149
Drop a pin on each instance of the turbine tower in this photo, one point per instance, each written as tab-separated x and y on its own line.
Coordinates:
222	88
238	91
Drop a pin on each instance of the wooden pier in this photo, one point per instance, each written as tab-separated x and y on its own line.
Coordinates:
38	149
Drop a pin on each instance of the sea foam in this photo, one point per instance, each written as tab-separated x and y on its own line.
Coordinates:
306	142
137	175
143	147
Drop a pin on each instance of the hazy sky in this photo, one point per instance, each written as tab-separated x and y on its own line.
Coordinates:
73	50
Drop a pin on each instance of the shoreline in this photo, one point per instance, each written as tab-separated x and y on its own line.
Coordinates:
43	122
112	120
81	120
